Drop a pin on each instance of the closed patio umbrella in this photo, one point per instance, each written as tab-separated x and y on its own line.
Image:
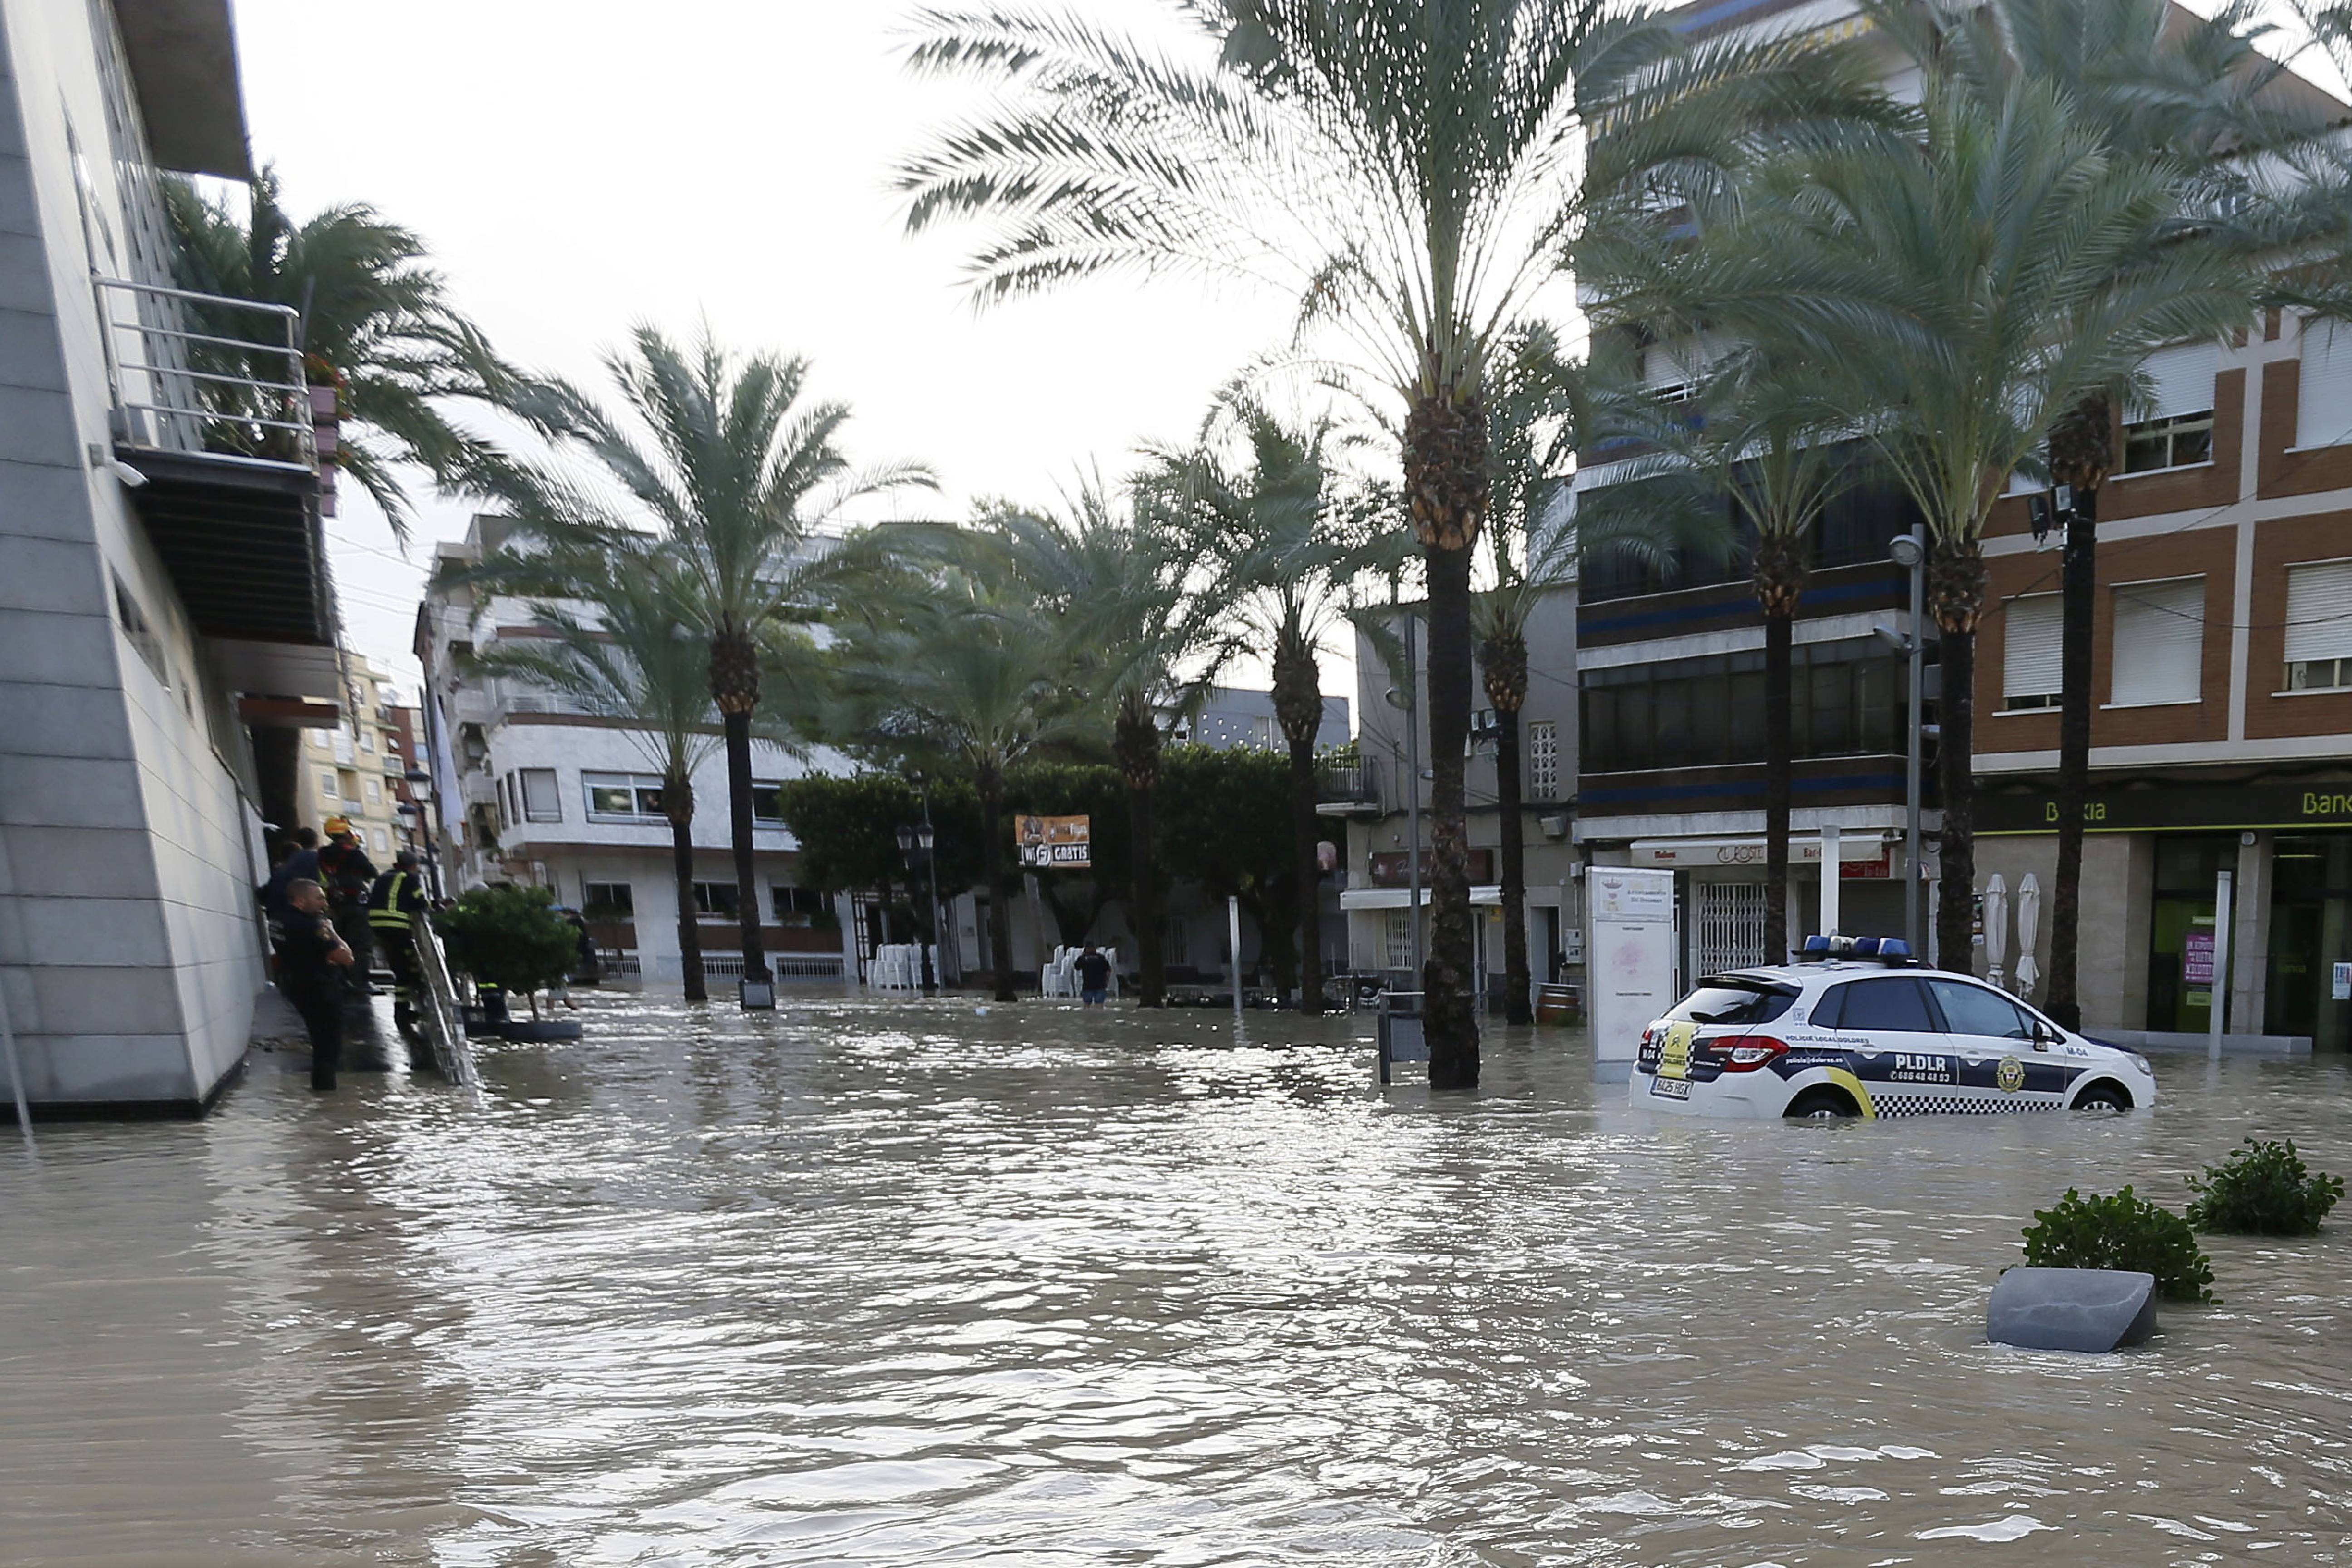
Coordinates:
2029	927
1996	926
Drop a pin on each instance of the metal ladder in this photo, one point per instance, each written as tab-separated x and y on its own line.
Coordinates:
437	1013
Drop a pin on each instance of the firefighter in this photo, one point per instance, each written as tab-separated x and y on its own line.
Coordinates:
394	904
348	874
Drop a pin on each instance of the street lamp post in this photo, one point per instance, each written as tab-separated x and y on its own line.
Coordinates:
915	848
1910	552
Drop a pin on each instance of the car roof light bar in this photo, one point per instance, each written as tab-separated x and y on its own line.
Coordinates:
1892	951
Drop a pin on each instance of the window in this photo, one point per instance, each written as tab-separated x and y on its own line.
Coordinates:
2319	620
2159	643
541	803
2322	415
797	906
133	621
2029	673
1973	1010
328	793
374	792
1731	1005
1709	712
2177	429
607	901
1543	760
623	796
367	739
717	899
767	802
1400	940
1895	1002
1176	944
382	841
1671	372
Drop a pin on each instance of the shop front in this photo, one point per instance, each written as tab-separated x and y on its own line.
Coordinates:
2153	859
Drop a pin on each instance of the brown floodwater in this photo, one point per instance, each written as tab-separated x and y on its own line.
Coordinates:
913	1283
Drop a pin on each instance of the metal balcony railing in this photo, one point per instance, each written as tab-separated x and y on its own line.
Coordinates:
206	374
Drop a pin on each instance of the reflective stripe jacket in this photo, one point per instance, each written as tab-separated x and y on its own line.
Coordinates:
395	900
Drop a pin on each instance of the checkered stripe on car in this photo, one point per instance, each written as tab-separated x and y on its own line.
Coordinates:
1948	1105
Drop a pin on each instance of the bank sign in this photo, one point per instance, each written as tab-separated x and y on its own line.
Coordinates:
2285	807
1056	843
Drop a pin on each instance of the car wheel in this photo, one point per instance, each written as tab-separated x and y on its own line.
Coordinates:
1821	1105
2103	1096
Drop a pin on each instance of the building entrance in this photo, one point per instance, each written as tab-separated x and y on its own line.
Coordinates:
2181	931
2311	933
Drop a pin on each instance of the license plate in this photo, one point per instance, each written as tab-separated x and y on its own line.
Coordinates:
1672	1087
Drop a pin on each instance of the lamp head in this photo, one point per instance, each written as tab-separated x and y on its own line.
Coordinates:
1907	550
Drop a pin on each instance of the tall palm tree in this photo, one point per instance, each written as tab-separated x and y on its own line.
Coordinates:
377	325
1118	575
2194	97
1407	170
1286	535
1955	291
954	660
742	478
620	642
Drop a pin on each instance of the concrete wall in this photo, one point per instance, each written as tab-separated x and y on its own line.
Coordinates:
126	943
2118	879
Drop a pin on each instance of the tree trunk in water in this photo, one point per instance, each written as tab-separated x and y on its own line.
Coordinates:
1519	983
2082	454
1780	769
993	833
1449	976
681	858
739	812
1304	833
1956	588
1150	957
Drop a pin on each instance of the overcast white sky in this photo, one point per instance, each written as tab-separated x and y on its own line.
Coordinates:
578	168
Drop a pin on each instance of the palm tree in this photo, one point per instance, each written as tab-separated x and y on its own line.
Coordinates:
1286	537
1407	170
378	326
1118	577
1954	293
2192	96
741	477
624	647
955	661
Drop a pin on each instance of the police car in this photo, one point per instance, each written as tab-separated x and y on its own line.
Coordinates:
1859	1029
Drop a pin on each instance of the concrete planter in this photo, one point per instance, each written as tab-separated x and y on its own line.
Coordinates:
2093	1310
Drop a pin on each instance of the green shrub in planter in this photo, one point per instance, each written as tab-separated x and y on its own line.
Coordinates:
2124	1231
511	937
2263	1189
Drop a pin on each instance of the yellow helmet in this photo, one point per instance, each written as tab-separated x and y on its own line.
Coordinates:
338	825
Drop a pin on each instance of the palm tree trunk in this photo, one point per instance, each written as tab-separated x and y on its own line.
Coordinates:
1519	983
682	859
1956	585
1449	1002
738	811
1304	831
993	832
1780	769
1136	741
1446	487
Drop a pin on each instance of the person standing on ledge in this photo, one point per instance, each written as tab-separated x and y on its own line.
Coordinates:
309	975
396	904
1094	977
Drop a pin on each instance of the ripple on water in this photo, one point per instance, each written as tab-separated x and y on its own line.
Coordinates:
917	1283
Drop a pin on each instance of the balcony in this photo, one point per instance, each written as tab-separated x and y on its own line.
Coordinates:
1347	788
216	436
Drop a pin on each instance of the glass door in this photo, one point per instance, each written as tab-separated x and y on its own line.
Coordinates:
2181	948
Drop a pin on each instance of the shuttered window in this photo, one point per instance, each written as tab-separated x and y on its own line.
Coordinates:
1672	370
2324	407
2159	643
2319	624
2177	426
541	800
2029	652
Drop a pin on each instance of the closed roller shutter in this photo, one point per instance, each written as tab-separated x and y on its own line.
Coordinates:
2319	608
2180	383
2323	416
2159	642
2030	648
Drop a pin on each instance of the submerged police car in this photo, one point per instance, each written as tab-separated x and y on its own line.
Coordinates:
1859	1029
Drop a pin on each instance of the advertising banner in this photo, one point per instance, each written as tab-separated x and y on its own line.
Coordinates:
1631	968
1054	843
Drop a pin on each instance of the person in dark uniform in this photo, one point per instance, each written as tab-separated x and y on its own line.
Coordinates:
1094	977
396	904
309	975
348	874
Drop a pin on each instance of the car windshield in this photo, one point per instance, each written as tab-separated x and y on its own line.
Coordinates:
1718	1001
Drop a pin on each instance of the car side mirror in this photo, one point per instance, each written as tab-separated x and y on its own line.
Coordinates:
2045	1036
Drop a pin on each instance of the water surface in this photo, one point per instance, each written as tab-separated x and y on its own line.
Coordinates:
911	1283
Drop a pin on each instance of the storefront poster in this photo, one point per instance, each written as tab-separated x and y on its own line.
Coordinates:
2197	959
2343	986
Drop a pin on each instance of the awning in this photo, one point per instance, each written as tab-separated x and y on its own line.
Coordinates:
1865	845
1399	897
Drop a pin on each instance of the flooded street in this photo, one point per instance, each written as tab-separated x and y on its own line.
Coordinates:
909	1284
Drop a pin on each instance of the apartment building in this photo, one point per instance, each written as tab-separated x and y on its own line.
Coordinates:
2222	735
356	770
532	789
166	620
1373	804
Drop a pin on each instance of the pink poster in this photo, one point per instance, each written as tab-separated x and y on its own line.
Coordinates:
2197	959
